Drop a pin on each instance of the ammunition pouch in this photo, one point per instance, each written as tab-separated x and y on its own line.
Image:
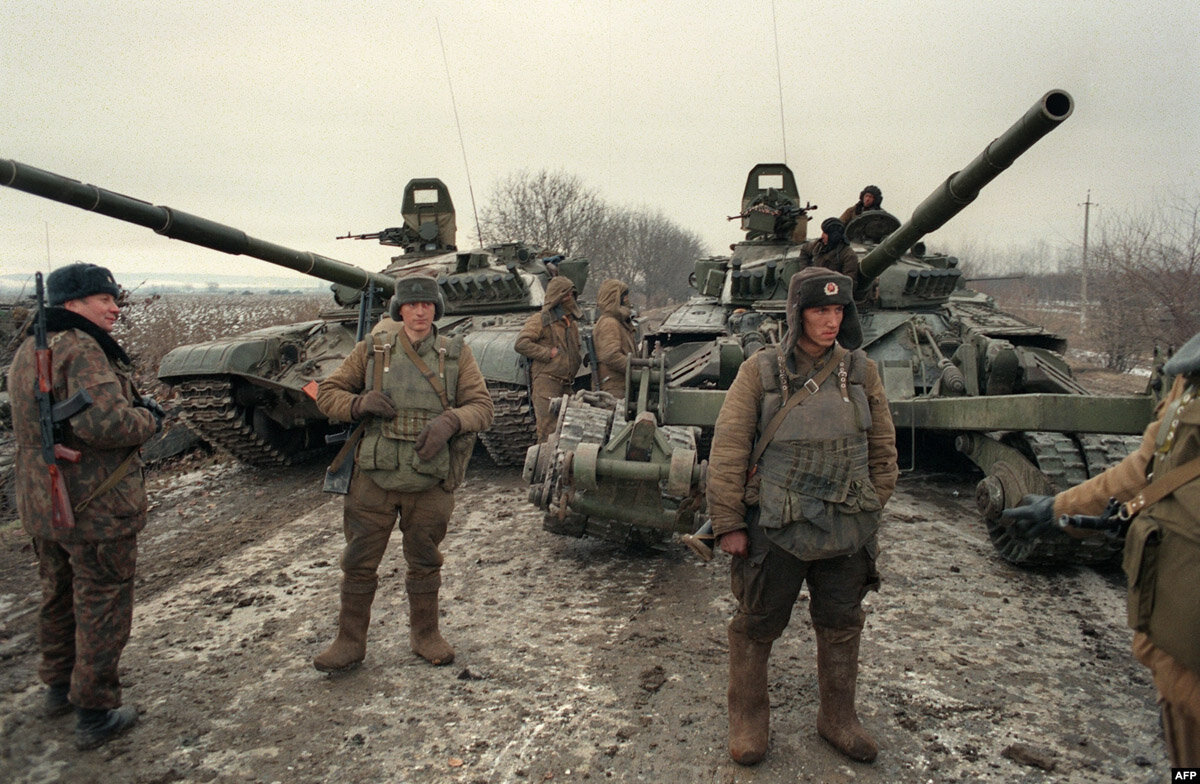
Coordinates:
1161	561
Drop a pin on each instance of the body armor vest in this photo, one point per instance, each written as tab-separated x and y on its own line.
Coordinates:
815	494
1162	547
387	453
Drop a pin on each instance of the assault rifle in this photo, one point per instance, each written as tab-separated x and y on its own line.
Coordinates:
51	413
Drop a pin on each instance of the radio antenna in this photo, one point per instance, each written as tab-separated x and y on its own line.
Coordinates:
462	145
779	81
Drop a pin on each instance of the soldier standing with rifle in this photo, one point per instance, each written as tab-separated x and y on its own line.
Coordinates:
422	399
79	425
1155	494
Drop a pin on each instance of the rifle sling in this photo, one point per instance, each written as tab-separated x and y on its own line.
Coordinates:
812	385
111	480
1162	487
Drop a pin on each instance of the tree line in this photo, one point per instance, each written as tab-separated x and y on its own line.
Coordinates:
557	211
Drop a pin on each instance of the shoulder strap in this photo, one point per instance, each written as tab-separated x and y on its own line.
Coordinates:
802	394
425	371
1162	487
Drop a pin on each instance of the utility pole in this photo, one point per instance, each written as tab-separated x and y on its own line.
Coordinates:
1083	292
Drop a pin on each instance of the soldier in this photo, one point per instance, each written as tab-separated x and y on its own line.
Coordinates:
831	250
551	341
1162	547
871	198
614	336
86	570
423	399
803	459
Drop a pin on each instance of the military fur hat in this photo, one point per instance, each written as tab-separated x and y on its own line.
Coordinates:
416	288
1185	361
79	280
814	287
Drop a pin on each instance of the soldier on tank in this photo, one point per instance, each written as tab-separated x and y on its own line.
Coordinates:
86	570
1159	484
831	250
614	335
423	399
803	459
550	339
871	198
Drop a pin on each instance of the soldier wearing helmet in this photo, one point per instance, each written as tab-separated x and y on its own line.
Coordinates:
871	198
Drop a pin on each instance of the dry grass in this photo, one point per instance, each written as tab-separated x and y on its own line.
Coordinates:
152	326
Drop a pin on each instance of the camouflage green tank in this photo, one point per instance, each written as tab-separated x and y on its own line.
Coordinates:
253	394
968	384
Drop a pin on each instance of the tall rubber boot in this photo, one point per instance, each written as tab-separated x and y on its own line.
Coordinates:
749	705
837	676
350	647
423	635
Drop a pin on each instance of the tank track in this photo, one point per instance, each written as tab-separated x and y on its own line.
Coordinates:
208	407
1065	463
514	427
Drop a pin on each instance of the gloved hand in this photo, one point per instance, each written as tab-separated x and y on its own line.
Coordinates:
434	436
374	402
150	404
1034	516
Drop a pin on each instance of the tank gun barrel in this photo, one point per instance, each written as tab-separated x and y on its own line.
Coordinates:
180	225
961	188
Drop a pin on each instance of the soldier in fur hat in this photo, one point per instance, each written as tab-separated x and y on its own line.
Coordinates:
423	399
807	510
87	569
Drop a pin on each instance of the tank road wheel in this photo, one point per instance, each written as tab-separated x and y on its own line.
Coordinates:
514	428
1064	464
208	407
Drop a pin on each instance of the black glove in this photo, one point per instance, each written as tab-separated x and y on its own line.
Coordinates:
153	406
373	402
1034	517
433	438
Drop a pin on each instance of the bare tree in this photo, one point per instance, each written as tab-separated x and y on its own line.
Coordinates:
558	212
1149	273
551	209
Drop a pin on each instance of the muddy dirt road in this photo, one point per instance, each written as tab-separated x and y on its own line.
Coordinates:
577	661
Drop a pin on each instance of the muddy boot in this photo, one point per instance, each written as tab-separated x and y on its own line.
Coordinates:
97	726
749	705
348	650
55	702
423	635
837	674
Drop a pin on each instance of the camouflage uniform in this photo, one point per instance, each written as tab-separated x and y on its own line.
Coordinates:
614	336
389	479
553	328
87	571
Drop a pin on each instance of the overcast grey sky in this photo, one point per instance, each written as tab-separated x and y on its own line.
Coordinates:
298	121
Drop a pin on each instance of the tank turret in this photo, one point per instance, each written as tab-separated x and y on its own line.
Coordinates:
252	394
963	379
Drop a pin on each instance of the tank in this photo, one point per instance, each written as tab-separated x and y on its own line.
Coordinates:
254	394
968	384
